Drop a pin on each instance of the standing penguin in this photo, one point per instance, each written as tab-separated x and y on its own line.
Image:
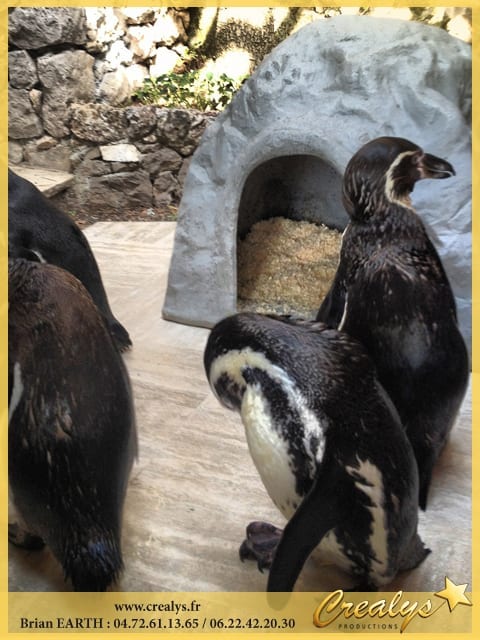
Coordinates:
328	445
39	231
72	435
391	293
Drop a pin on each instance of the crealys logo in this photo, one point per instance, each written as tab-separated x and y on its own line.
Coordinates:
336	608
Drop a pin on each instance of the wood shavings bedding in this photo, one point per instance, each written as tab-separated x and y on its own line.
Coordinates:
286	266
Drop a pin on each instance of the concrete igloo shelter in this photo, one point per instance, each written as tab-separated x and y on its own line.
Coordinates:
285	139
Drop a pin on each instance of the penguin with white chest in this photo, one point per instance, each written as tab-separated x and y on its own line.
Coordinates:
328	445
71	436
39	231
391	292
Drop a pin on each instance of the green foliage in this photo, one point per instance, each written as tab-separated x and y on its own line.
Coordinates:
191	90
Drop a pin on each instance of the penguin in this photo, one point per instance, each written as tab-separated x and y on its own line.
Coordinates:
71	436
39	231
328	444
391	292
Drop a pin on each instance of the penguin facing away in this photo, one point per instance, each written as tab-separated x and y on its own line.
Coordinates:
72	435
391	292
38	231
328	445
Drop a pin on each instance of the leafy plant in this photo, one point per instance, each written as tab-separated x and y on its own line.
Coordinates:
192	90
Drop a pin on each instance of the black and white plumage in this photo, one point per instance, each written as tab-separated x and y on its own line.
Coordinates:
39	231
72	435
391	292
328	445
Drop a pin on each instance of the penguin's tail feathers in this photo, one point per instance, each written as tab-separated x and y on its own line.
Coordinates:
93	564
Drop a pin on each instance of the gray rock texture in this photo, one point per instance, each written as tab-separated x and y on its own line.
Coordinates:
160	160
115	87
23	122
49	153
141	121
166	188
98	123
33	28
293	126
15	152
108	142
22	72
123	190
67	78
180	129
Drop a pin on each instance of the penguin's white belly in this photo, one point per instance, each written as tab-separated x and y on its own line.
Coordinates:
269	447
269	452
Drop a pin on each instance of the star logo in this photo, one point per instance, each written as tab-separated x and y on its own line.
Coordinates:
454	594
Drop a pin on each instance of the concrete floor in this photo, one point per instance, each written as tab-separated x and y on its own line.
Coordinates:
194	487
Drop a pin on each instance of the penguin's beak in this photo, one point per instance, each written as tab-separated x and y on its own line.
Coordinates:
433	167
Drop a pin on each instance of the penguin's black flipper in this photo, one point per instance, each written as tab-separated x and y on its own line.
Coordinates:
40	232
120	335
426	462
331	309
319	512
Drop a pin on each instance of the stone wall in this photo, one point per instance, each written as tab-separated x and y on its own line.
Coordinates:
122	158
72	72
69	72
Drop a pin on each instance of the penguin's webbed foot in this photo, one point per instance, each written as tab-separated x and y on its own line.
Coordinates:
22	538
260	544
